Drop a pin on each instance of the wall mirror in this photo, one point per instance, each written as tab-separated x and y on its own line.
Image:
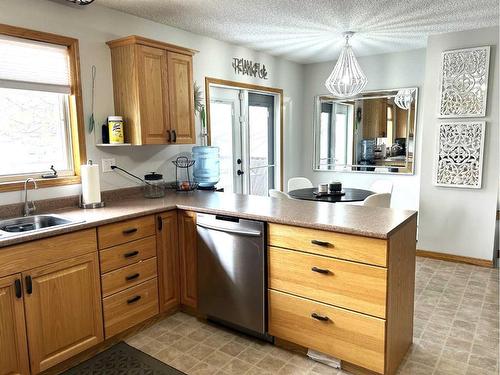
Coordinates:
372	132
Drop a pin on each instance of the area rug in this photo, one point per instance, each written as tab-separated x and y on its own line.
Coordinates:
122	359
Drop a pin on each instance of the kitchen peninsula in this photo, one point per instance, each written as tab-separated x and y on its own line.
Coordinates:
135	260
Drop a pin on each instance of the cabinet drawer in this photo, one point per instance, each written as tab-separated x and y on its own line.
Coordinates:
123	278
130	307
125	231
338	282
332	244
344	334
127	254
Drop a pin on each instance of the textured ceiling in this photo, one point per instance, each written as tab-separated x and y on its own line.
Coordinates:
311	30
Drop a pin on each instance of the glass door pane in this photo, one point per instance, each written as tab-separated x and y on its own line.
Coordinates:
225	133
261	143
221	121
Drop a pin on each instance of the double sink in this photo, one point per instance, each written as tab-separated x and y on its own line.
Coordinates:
35	223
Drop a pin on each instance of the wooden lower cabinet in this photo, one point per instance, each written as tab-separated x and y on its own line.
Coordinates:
167	241
13	344
132	306
353	337
347	296
63	310
188	258
351	285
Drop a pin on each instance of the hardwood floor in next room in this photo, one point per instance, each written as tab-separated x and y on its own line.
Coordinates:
456	332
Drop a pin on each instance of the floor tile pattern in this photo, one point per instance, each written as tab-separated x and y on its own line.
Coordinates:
456	332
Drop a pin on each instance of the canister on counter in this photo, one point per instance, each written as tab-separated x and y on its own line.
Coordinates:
115	125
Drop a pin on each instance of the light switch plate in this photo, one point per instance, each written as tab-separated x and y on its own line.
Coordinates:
106	165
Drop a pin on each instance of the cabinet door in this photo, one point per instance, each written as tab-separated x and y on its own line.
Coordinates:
63	310
181	98
13	343
188	258
153	94
168	260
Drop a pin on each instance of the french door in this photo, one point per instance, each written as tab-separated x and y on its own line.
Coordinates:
243	126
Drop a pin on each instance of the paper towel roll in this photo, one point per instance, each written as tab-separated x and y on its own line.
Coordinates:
91	187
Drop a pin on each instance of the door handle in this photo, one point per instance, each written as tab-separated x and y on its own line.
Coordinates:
169	136
323	271
322	318
18	288
239	172
175	136
29	284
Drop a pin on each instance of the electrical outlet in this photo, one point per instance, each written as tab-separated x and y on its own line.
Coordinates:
106	165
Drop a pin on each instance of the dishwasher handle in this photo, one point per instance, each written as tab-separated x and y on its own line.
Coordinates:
250	233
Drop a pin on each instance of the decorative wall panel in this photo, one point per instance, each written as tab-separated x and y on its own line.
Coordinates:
464	82
459	160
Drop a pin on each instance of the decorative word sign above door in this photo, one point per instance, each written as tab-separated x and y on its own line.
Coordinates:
249	68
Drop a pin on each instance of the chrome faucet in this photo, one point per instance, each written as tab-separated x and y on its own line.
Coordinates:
29	206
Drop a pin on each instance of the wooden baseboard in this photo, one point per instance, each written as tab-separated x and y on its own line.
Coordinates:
455	258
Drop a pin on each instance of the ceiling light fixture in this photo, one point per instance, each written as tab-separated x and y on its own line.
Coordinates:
404	98
347	78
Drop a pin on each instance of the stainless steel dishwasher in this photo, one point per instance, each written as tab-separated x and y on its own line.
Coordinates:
231	272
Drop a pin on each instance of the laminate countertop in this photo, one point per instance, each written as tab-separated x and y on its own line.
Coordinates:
350	219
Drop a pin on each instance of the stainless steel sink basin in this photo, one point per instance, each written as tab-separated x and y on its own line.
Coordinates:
33	223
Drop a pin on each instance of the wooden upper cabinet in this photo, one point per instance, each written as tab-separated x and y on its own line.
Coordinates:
153	90
168	260
153	94
63	310
13	344
180	85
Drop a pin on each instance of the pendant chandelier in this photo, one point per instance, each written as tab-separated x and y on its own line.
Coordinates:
404	98
347	78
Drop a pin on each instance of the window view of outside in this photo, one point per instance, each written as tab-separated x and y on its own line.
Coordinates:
324	147
33	133
341	137
259	151
221	125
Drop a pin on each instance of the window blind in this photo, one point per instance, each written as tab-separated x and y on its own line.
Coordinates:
32	65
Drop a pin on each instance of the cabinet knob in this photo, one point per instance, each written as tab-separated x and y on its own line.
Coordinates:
131	254
29	284
133	299
323	271
321	243
129	231
174	138
169	136
322	318
18	289
132	277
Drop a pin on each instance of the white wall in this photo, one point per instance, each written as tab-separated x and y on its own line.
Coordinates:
387	71
93	26
459	221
